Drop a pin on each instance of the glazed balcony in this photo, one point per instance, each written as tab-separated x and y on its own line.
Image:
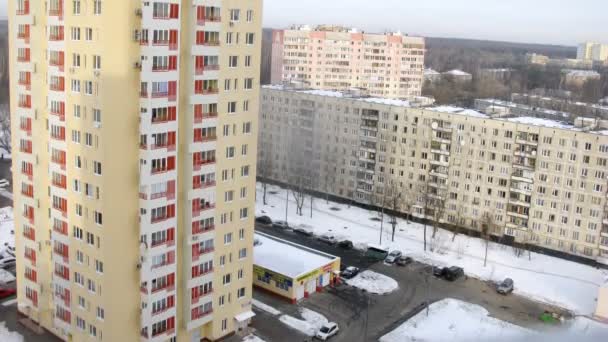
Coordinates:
196	297
61	228
200	163
59	160
197	210
206	138
201	69
198	229
208	19
25	9
199	117
26	127
26	82
30	234
28	191
203	185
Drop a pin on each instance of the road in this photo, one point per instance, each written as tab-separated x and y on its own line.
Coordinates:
348	306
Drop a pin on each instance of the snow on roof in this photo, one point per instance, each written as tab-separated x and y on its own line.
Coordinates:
528	120
431	72
457	72
582	73
459	111
287	258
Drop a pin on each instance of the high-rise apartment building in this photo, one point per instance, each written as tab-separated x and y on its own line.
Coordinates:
336	58
530	180
134	165
592	51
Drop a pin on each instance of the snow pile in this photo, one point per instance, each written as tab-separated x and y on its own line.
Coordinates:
551	280
8	336
6	277
373	282
264	307
454	320
252	338
7	226
311	323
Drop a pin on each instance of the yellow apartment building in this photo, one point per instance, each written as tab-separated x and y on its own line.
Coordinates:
134	125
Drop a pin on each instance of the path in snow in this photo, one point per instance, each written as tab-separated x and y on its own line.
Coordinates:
373	282
265	307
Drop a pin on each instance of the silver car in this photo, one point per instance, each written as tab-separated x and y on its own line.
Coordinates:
505	287
392	257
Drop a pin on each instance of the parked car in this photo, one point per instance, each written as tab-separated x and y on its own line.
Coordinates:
263	220
7	263
453	273
280	225
349	272
346	244
303	229
439	271
403	260
392	257
505	287
7	292
327	330
327	238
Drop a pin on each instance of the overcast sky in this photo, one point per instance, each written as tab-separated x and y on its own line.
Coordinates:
565	22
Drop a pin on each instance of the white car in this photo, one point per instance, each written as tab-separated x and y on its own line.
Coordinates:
327	330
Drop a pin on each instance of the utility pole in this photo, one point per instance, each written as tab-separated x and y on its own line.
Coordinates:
286	203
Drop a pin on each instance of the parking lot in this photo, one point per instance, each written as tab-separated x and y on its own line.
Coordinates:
366	317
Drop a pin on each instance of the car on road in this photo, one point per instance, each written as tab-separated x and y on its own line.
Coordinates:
280	225
327	238
439	271
7	263
345	244
303	229
7	292
327	330
404	261
392	257
263	220
505	287
350	272
453	273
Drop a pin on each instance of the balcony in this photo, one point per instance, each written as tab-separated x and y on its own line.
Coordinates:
65	275
57	63
56	12
197	229
28	192
57	36
30	234
199	164
24	35
58	113
169	243
27	83
201	70
25	10
203	185
210	43
58	136
60	86
196	298
59	161
26	104
198	210
212	19
203	139
61	228
60	183
26	148
199	117
196	314
26	127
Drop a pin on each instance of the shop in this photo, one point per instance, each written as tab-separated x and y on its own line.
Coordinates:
290	270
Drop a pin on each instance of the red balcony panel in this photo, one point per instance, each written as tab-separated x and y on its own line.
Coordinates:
25	101
30	233
197	228
25	10
27	190
196	313
57	36
61	227
196	271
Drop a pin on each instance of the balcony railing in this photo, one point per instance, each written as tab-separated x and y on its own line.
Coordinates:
30	234
206	138
213	19
199	164
197	229
199	117
160	243
203	185
195	299
201	70
199	210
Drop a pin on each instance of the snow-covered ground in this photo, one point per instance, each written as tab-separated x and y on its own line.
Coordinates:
552	280
7	226
454	320
310	323
6	277
9	336
264	307
373	282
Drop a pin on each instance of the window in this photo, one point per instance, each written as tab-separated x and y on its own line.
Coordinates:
100	313
232	107
241	234
91	285
239	274
242	253
96	62
228	196
240	293
235	14
88	87
249	38
248	83
81	302
75	33
97	7
96	115
92	330
76	10
79	257
226	279
233	61
230	152
97	168
224	324
77	233
245	171
246	127
98	218
227	238
76	86
246	106
244	149
98	266
243	213
247	61
80	323
88	34
88	139
249	16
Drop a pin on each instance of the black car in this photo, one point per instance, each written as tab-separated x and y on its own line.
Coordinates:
404	261
346	244
263	220
280	225
349	272
439	272
453	273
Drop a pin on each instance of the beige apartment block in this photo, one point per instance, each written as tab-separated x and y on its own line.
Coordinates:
134	125
336	58
529	180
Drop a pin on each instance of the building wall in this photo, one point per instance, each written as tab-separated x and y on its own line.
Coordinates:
110	190
460	169
387	65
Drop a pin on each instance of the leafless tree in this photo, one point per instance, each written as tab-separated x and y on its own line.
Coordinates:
487	225
437	204
461	220
265	171
298	193
5	128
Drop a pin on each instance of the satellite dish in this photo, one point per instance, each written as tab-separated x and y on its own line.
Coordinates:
434	125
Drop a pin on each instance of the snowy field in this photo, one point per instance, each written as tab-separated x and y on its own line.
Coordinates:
7	225
454	320
373	282
9	336
551	280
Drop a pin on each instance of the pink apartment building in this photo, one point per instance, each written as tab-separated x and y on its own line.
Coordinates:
336	58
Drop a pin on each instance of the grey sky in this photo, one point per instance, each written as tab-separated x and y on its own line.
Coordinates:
566	22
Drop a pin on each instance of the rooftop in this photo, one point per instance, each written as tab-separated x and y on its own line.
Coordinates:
459	111
457	72
287	258
331	93
540	122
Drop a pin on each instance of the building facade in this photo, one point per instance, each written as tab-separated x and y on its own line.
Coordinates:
592	51
529	180
134	165
336	58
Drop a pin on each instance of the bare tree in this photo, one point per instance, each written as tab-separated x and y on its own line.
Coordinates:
5	128
487	226
264	172
461	220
